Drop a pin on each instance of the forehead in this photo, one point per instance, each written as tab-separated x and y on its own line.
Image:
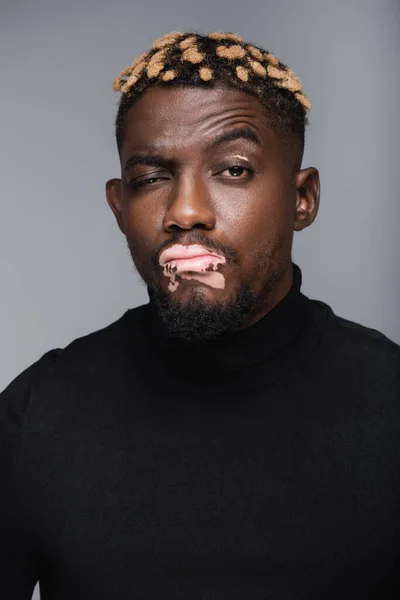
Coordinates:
179	117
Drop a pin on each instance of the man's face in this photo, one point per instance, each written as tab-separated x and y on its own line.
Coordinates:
201	168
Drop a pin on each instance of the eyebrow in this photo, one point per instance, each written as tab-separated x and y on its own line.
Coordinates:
151	160
237	134
157	160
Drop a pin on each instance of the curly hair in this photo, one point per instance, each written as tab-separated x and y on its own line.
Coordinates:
218	60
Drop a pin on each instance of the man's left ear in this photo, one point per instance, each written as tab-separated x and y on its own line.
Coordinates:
307	197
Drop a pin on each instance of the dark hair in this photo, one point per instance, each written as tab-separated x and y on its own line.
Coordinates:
218	60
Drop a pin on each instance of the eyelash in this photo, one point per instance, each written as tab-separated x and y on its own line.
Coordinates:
152	180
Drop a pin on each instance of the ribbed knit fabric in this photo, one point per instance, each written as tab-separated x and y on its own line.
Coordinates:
263	465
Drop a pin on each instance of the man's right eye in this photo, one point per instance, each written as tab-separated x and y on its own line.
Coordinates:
143	182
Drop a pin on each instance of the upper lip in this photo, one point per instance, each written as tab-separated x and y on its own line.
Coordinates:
179	251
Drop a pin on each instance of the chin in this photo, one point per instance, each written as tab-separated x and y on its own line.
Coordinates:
198	292
198	312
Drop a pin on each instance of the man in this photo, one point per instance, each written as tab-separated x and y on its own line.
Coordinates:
232	438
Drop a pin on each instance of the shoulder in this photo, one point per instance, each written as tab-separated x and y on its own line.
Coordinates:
360	339
14	399
87	354
109	344
65	380
362	352
14	404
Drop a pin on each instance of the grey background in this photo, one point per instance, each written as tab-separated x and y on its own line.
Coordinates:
64	267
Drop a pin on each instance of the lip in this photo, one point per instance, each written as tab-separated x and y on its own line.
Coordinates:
179	252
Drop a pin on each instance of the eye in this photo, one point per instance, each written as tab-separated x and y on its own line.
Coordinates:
237	172
148	181
144	182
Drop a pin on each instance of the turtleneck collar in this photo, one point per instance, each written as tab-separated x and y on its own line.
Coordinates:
271	344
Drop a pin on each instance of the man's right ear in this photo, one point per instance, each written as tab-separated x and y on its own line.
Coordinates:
113	195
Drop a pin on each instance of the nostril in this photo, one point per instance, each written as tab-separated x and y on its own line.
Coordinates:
172	227
179	220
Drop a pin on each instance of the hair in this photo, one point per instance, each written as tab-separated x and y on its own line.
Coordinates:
218	60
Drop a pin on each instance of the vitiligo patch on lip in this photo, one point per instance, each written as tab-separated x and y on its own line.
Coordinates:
192	262
215	280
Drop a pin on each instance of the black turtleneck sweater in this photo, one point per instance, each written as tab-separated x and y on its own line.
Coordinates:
264	465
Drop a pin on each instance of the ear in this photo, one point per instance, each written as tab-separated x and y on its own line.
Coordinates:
307	197
113	195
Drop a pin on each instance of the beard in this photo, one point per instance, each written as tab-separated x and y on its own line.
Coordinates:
201	319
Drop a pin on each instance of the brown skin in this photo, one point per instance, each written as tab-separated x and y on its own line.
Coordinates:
195	193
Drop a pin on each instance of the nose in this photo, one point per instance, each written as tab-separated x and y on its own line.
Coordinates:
189	206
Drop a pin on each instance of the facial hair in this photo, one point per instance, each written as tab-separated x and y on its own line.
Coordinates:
199	319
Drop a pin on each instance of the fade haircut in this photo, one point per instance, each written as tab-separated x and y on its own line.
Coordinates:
218	60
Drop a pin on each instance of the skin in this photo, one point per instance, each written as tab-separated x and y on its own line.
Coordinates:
201	191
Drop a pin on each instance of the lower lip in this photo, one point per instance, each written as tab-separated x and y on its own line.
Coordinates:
193	264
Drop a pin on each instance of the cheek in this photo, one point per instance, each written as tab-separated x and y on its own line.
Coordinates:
258	217
141	223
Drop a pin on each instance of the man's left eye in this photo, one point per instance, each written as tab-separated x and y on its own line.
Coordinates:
237	172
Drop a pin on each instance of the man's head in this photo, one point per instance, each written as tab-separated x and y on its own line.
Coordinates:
210	133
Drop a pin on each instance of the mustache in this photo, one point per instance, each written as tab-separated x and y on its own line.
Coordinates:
196	236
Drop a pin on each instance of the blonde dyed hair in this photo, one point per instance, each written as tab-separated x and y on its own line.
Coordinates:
189	58
170	56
